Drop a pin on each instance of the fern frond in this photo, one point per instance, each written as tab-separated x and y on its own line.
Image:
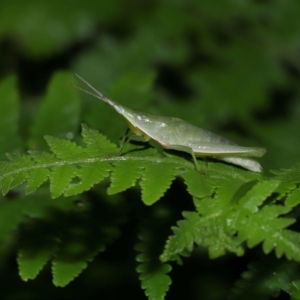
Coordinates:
60	178
232	215
35	179
153	273
256	223
265	279
36	245
231	210
295	290
259	192
72	169
209	232
206	227
69	238
35	251
293	198
155	282
65	149
197	187
284	189
97	144
78	249
15	172
161	176
66	162
71	259
266	226
124	176
185	235
291	175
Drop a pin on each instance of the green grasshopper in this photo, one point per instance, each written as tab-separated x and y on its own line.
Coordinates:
176	134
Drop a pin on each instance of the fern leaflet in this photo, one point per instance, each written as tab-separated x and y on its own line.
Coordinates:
72	169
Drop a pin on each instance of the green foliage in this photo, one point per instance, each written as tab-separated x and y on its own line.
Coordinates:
236	216
73	207
59	111
154	278
90	164
47	237
9	114
231	206
277	276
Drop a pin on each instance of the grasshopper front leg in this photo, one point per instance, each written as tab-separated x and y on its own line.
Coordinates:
130	137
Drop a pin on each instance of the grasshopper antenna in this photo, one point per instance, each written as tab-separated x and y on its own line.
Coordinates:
97	93
100	95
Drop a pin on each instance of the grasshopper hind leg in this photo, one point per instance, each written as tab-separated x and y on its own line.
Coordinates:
189	151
